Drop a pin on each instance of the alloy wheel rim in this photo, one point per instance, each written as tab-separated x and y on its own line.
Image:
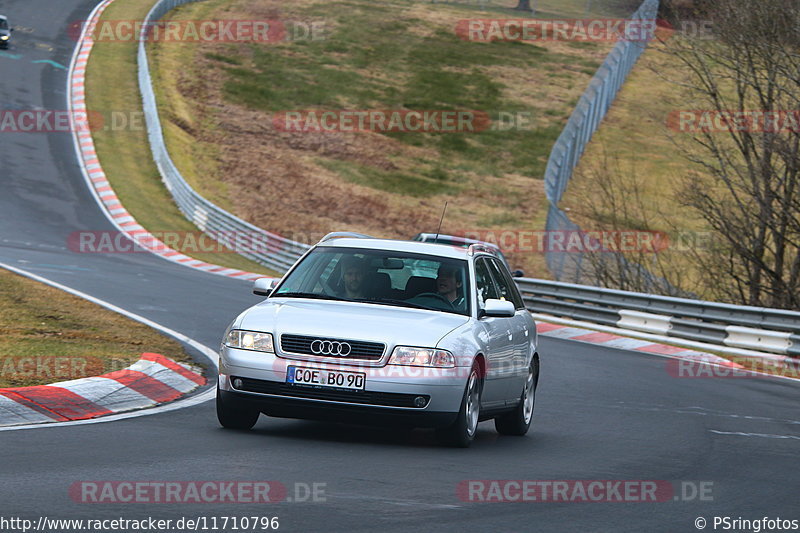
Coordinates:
472	404
530	393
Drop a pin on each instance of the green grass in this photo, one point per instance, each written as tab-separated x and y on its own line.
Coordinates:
422	184
111	86
48	335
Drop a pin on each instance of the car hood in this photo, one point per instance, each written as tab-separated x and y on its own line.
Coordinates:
351	320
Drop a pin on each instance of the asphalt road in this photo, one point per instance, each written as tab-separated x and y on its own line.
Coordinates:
601	413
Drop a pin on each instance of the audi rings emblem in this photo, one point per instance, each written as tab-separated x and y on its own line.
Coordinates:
336	348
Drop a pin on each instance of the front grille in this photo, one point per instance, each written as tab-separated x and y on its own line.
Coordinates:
387	399
301	344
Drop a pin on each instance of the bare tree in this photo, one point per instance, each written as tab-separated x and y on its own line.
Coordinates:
747	187
636	250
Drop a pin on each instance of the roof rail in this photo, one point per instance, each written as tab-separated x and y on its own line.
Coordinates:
481	247
344	235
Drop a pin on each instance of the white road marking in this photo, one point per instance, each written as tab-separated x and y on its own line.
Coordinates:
700	411
763	435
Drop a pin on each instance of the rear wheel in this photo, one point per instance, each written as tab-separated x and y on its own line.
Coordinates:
461	433
234	415
518	421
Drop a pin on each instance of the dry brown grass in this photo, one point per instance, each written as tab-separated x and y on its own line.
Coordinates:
42	329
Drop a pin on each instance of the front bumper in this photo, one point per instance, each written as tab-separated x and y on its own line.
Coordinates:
388	397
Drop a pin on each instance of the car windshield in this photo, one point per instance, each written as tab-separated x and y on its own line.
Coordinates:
380	277
3	25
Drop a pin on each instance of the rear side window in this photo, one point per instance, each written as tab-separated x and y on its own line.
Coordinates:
506	286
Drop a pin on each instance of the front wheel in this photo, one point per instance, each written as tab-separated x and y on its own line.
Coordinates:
461	433
232	415
518	421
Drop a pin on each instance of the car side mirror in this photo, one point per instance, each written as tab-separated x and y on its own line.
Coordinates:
518	274
264	286
498	308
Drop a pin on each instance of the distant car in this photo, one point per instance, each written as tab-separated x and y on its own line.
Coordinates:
385	332
5	32
464	242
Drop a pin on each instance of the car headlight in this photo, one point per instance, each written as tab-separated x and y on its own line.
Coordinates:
411	356
250	340
3	37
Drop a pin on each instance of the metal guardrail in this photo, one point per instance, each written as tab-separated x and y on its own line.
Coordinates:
759	328
262	246
584	121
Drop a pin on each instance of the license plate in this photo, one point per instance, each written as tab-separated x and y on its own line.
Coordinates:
320	377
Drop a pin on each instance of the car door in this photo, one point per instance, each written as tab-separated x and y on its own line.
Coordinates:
520	330
500	356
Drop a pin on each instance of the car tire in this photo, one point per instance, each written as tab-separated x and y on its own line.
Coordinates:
233	415
461	432
518	421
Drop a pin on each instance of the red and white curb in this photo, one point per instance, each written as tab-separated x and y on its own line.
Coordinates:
93	171
627	343
152	380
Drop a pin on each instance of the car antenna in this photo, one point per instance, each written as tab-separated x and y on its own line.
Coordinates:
440	222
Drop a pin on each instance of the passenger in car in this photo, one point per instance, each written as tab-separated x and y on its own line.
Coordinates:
449	283
354	270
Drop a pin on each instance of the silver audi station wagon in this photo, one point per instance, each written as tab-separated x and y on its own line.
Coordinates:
382	331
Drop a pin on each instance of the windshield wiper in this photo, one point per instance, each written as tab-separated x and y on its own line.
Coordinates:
389	301
314	295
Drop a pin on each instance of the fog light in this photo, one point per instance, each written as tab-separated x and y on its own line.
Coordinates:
237	383
420	401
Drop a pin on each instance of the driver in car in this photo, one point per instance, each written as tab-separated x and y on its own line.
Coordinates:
353	273
448	285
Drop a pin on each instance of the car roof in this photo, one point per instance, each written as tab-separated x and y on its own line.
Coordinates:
446	239
429	248
3	17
